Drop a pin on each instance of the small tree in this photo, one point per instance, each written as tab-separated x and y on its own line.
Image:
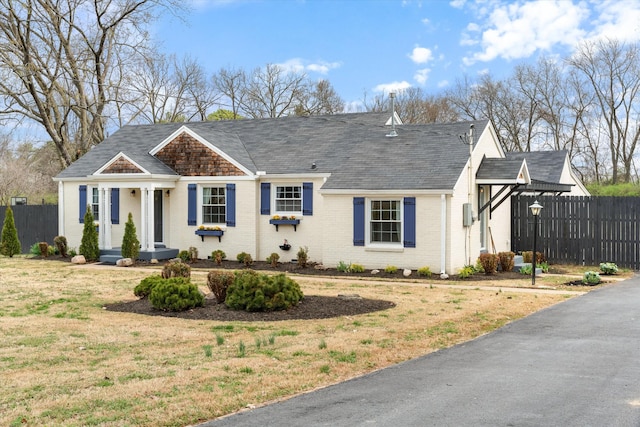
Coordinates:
130	242
10	244
89	244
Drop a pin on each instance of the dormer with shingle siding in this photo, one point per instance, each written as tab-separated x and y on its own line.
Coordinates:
122	165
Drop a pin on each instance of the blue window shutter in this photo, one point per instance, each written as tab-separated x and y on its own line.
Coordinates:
265	198
115	206
358	221
307	198
231	205
83	202
192	214
409	222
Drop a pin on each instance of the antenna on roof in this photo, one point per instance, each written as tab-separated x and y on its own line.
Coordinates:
393	132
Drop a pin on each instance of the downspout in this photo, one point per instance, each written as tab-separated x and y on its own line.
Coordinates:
470	196
443	233
61	209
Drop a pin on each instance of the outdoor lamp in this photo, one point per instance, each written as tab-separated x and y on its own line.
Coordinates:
535	211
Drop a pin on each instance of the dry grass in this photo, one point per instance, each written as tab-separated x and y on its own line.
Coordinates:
64	360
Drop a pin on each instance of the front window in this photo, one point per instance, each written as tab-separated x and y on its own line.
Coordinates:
213	205
95	203
289	198
385	224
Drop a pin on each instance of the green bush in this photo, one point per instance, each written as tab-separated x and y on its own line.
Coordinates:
241	256
544	267
130	242
466	272
356	268
89	243
506	261
591	278
184	256
218	256
252	291
143	289
218	283
61	245
342	267
391	269
9	242
526	270
303	256
34	249
273	259
489	262
424	271
608	268
176	294
176	268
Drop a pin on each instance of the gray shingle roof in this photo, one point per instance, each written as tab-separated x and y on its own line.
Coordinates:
544	166
353	148
499	170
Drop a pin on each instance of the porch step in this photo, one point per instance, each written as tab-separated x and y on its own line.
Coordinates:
161	252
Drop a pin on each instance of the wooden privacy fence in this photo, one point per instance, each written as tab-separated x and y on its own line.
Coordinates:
35	223
580	230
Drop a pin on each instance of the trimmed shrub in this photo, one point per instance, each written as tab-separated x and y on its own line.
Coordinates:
527	256
506	260
489	262
176	268
184	256
61	245
176	294
218	283
248	260
608	268
44	249
193	253
303	256
273	259
424	272
218	255
591	278
252	291
143	289
9	243
130	242
241	256
89	243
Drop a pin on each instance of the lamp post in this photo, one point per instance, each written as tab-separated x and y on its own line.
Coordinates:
535	211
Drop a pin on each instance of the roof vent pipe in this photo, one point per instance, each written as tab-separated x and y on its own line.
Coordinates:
393	132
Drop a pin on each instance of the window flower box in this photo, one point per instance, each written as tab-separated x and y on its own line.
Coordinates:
210	232
282	221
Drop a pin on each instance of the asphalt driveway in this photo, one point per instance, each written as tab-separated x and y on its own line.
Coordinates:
574	364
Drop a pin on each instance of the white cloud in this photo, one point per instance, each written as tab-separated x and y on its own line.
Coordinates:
518	30
298	65
617	20
444	83
458	4
392	87
421	55
421	76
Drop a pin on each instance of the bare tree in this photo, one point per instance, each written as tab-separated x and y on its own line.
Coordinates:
319	98
272	92
414	106
230	84
611	70
58	62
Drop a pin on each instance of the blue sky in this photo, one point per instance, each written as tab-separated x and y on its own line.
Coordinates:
367	46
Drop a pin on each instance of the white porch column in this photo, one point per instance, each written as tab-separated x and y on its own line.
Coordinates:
147	220
61	216
443	233
105	219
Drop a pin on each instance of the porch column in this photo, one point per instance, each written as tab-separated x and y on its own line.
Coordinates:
104	228
147	219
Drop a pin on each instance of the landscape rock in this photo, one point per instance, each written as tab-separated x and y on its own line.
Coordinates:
79	259
375	271
153	261
406	272
124	262
444	276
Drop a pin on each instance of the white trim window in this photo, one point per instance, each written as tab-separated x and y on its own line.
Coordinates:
94	201
288	199
214	205
385	221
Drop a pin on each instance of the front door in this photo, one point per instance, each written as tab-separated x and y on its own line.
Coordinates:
157	216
